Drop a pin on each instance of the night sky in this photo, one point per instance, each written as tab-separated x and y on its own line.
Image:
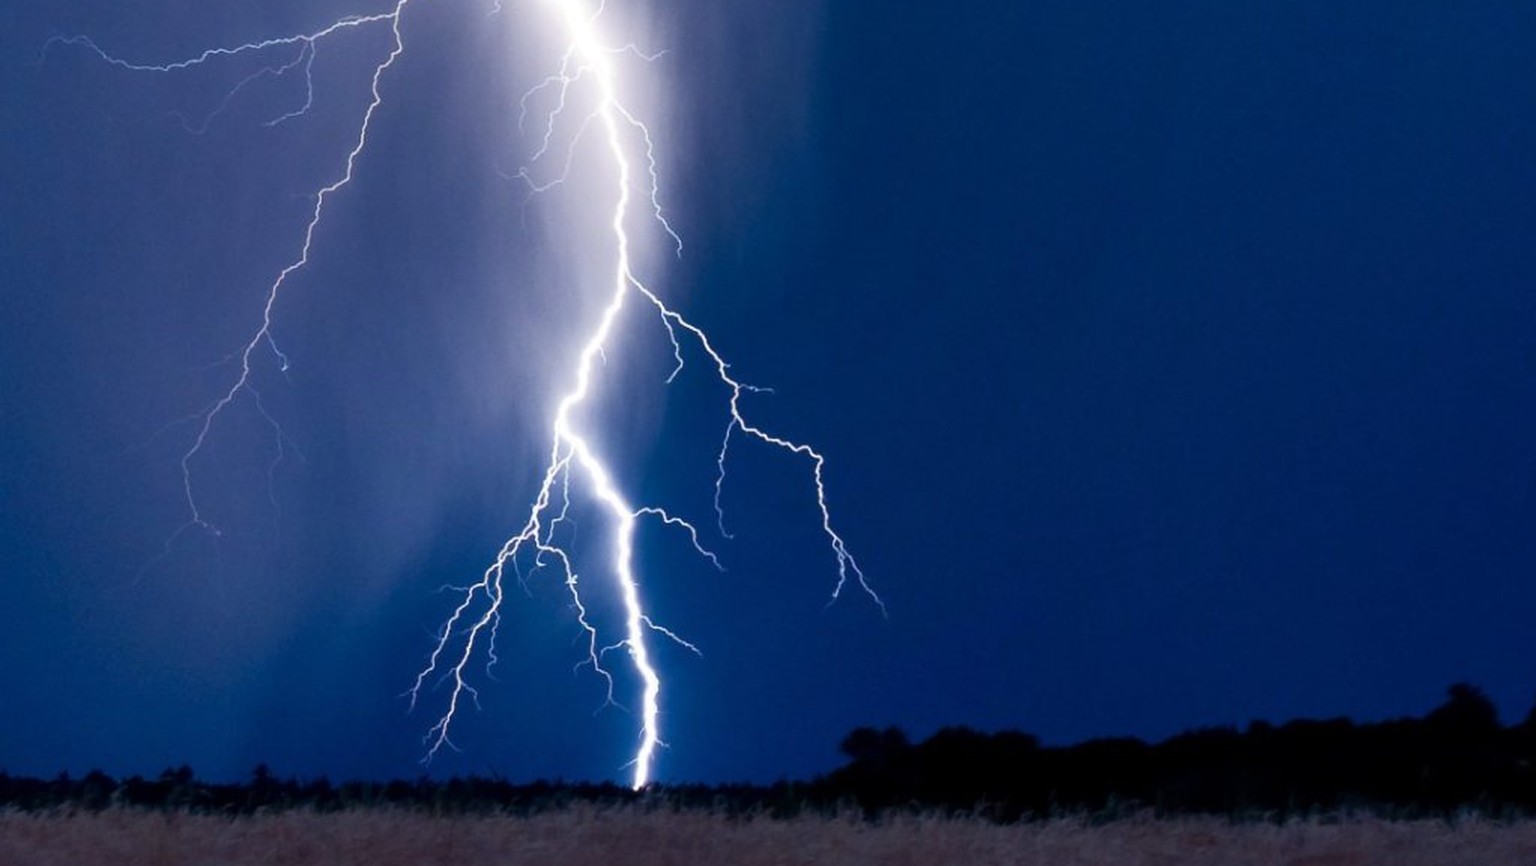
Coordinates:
1175	366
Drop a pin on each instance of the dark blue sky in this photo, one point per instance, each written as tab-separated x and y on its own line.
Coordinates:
1175	367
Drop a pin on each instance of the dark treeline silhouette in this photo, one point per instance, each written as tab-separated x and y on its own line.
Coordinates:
1456	759
179	789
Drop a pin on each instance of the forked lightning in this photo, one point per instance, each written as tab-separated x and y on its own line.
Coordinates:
588	99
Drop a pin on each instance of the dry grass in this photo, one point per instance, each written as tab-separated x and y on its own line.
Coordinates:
582	836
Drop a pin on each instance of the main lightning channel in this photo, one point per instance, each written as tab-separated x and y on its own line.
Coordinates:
588	56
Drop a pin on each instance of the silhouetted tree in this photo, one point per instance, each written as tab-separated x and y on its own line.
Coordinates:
95	791
1529	724
872	746
882	772
1466	712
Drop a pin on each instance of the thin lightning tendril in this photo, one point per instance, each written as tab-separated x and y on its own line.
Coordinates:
472	626
263	336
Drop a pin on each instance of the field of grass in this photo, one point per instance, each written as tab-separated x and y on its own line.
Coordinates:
590	836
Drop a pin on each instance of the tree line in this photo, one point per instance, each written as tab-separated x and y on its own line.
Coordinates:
1455	759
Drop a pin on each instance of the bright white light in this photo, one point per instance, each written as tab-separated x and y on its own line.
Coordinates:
629	149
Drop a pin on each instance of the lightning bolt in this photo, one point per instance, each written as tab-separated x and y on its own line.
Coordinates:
590	83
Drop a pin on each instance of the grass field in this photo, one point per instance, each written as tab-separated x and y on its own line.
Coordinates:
585	836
